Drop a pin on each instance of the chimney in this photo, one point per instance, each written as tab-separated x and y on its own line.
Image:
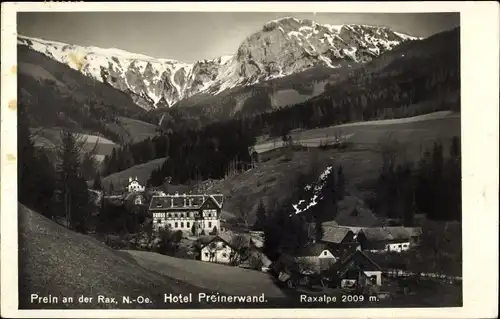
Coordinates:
171	202
130	179
185	202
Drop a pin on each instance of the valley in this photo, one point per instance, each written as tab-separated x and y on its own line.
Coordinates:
312	145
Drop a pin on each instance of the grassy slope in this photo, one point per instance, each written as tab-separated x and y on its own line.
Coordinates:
49	138
142	172
138	130
56	261
271	179
221	278
417	128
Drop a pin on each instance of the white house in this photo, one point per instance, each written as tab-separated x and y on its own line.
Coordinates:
389	239
134	186
314	258
218	250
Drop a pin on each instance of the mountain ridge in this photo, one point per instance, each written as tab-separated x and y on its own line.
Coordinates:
156	82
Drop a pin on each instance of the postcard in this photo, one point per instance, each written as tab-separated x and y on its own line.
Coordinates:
249	160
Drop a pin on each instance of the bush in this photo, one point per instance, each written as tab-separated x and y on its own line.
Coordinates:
116	242
255	261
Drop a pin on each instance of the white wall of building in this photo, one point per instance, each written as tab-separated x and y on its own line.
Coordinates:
326	254
216	251
398	247
377	274
174	221
134	186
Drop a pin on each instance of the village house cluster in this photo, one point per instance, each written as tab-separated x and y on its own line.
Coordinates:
347	250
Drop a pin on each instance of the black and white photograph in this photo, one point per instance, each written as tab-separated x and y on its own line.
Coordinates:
239	160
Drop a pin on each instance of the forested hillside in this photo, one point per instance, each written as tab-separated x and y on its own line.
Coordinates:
392	86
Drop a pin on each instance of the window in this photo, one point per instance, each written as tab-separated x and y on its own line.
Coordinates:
206	255
399	246
176	225
209	224
176	215
224	255
168	215
188	225
182	224
182	215
325	253
169	225
209	215
158	221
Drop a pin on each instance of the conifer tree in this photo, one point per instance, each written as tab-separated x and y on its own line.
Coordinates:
74	197
97	182
261	217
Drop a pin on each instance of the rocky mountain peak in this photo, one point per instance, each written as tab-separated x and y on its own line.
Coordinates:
281	47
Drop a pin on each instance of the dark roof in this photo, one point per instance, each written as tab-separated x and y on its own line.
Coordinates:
228	238
222	237
344	250
376	234
204	240
190	201
335	234
361	261
389	234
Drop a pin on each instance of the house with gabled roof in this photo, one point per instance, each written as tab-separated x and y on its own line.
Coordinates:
218	249
357	269
187	212
309	260
336	237
391	239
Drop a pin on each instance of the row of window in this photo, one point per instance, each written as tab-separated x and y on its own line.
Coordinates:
182	215
224	255
176	224
402	246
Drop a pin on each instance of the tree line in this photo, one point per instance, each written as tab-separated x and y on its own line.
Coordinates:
430	186
189	155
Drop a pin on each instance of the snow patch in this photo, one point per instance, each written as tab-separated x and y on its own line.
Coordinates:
406	36
351	52
317	189
334	28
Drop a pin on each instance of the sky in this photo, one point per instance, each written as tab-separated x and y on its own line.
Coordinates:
192	36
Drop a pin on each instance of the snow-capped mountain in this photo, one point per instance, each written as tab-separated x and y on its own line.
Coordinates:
282	47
